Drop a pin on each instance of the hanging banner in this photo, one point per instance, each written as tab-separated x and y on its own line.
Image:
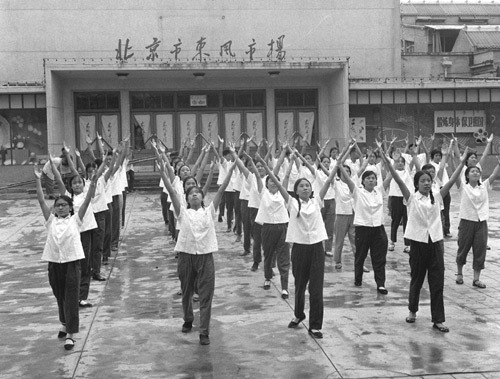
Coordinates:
142	130
232	122
306	124
110	129
210	126
459	121
87	130
285	126
357	129
187	127
165	129
255	126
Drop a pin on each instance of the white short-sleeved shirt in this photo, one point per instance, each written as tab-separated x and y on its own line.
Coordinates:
47	167
368	206
474	201
394	189
424	218
63	240
319	182
88	222
223	171
237	179
115	183
255	195
309	227
344	202
445	177
99	201
422	158
197	231
246	186
272	209
295	174
354	166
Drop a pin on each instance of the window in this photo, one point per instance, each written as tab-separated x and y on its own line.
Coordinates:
85	101
296	98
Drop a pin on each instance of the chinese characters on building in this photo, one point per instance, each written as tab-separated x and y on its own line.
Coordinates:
459	121
275	50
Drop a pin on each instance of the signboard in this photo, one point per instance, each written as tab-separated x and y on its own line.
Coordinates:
459	121
198	100
357	128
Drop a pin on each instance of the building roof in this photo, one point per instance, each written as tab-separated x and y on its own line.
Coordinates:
443	10
484	39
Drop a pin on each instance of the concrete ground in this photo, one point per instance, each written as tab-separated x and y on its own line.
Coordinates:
133	329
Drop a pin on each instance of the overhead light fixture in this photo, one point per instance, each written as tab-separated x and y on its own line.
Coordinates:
273	74
122	75
199	75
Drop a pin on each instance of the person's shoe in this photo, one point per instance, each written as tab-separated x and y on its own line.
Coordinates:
69	343
84	304
221	219
447	235
105	261
382	290
365	269
329	254
255	267
477	283
284	294
441	327
460	279
315	333
488	248
391	246
246	252
196	297
61	334
338	266
358	284
114	248
204	339
98	277
411	318
187	326
406	250
228	230
238	239
267	285
295	322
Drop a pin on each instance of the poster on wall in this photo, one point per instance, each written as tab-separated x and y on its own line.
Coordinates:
232	122
187	127
357	129
87	126
255	126
110	129
165	129
285	126
461	121
210	126
142	131
306	124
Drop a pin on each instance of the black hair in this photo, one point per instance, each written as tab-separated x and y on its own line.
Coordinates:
188	192
90	165
346	167
70	183
98	162
268	178
295	196
468	156
416	179
109	153
186	179
321	160
428	166
434	152
468	170
226	152
69	200
366	174
179	169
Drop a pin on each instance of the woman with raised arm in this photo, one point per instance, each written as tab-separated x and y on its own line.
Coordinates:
63	251
195	244
425	232
306	231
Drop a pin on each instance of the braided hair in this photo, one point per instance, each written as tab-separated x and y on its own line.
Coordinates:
295	196
416	179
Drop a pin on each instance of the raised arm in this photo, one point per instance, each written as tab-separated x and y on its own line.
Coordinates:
495	172
444	161
100	146
256	172
273	177
79	162
57	176
456	175
281	159
328	182
172	193
402	186
486	149
206	187
90	149
197	164
309	166
222	188
71	164
90	192
201	169
39	192
238	161
344	176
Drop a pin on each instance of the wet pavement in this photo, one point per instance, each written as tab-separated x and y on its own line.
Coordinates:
134	328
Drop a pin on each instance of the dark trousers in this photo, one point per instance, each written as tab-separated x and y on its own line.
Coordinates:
64	279
171	223
85	264
275	248
200	269
256	235
48	184
427	258
247	225
398	213
328	213
373	239
229	208
222	205
308	267
98	241
130	180
472	234
237	213
106	248
115	222
124	203
446	213
164	206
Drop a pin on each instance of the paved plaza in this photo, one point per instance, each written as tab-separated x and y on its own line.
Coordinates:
134	328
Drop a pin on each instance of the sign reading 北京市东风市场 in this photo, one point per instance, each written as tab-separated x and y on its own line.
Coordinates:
459	121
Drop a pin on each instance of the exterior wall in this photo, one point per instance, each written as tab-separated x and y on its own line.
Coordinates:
462	44
426	65
365	30
418	35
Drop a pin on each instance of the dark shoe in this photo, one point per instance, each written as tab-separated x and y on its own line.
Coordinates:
98	277
358	284
187	326
238	239
196	297
220	219
294	324
365	269
315	333
411	319
284	294
477	283
105	261
84	304
69	344
115	248
382	290
204	339
441	328
267	285
255	267
61	334
460	279
246	252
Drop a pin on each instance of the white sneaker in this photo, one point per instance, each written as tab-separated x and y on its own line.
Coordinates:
391	246
329	254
